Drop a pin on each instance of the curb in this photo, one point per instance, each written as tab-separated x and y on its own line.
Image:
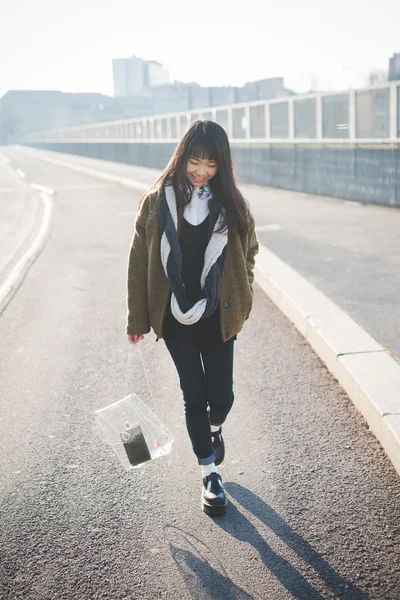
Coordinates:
363	368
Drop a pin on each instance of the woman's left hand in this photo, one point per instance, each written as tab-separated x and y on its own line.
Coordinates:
134	339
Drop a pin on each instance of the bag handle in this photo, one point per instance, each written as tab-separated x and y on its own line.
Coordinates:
129	368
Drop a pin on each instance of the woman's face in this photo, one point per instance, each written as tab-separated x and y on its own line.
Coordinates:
200	170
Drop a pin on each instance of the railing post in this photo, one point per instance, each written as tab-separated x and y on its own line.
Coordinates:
291	119
247	132
230	124
393	112
267	121
319	118
352	115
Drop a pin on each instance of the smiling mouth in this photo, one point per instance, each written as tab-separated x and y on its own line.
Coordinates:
199	179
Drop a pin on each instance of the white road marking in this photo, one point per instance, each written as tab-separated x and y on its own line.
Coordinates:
43	189
17	275
5	160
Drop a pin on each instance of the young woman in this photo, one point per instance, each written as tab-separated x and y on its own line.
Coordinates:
190	275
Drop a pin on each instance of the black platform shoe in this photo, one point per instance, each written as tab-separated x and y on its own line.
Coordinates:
218	445
213	500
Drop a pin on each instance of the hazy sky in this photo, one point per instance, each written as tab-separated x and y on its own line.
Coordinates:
69	45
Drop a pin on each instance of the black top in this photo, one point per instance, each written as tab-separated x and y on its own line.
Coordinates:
193	242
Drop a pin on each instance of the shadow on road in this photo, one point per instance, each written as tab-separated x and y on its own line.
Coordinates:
242	529
206	578
213	585
202	572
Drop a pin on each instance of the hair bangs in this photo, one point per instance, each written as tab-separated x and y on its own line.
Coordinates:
203	147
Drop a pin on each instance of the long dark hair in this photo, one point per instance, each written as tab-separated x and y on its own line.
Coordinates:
207	139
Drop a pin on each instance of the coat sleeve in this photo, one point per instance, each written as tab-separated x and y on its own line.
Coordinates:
136	288
252	250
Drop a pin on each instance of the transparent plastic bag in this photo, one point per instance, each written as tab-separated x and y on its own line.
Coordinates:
134	432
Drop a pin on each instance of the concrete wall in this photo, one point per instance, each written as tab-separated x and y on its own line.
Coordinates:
356	173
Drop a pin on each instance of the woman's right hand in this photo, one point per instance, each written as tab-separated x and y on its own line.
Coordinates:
134	339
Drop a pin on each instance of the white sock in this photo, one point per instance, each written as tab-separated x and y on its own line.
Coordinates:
208	469
215	428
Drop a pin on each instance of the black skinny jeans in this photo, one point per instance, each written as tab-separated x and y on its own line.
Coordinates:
205	369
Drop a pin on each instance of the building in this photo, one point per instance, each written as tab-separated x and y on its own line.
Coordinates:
156	74
27	111
135	76
129	76
394	67
263	89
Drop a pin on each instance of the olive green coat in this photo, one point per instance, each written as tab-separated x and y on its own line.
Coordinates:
148	288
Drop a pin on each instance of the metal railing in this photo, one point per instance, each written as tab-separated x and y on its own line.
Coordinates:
364	116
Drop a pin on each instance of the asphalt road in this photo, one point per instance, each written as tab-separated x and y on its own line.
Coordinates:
314	503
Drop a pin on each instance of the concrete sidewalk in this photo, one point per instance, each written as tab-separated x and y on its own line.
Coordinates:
332	267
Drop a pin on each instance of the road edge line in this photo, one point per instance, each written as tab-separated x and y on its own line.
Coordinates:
14	280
